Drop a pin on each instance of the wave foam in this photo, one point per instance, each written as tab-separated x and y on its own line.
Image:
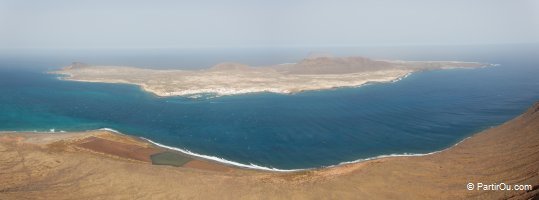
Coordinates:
401	77
221	160
208	157
399	155
258	167
111	130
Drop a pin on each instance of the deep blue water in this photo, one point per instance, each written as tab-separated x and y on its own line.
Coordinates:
425	112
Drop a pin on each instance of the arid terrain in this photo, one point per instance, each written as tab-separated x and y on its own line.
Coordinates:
314	73
106	165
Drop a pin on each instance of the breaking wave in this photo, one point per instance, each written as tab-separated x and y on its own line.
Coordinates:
258	167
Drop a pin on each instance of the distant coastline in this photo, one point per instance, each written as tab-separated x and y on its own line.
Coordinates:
318	73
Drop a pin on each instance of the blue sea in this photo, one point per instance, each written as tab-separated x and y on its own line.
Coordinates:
425	112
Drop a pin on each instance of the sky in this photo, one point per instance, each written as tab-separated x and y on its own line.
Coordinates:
257	23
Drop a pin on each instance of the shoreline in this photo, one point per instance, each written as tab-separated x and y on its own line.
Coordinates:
220	93
87	164
251	166
224	79
219	160
208	95
222	161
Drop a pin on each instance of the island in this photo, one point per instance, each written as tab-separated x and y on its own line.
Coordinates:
104	164
312	73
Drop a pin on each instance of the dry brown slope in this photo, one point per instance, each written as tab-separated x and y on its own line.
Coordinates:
33	169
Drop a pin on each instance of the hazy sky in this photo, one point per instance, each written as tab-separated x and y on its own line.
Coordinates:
202	23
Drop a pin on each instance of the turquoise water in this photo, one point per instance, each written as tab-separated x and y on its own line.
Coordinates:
428	111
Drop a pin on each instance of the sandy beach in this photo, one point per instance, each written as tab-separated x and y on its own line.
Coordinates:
105	165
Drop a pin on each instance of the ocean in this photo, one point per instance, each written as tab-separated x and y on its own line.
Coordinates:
425	112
